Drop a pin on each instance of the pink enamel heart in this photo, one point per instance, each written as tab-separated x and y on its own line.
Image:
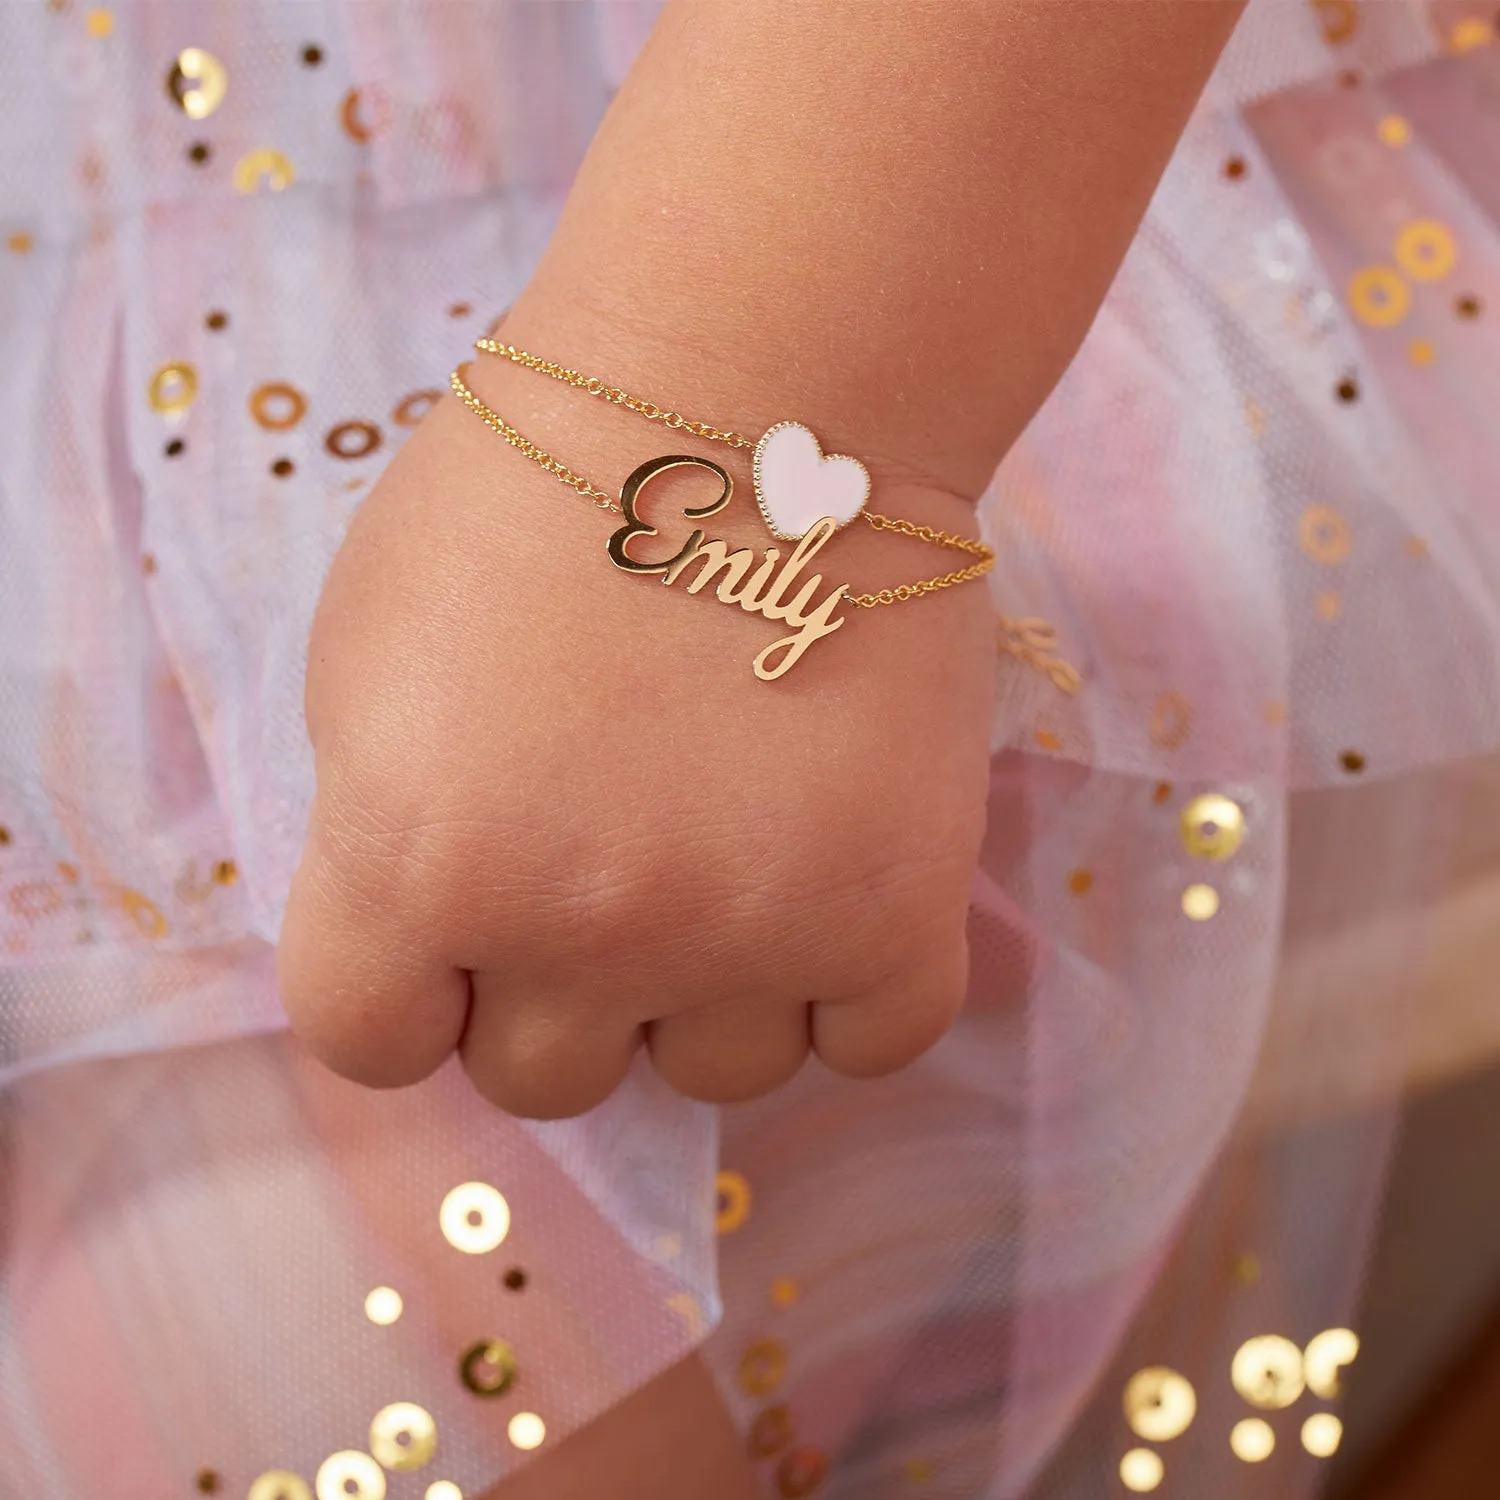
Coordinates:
797	484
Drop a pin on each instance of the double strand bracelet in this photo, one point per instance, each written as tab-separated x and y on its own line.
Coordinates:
804	496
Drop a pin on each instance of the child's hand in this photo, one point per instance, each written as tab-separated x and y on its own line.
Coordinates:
558	815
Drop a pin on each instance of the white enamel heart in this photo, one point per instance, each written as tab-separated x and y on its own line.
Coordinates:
797	484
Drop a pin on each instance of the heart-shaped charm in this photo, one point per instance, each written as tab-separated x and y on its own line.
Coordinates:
797	484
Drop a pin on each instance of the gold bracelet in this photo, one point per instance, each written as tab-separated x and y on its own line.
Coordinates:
804	495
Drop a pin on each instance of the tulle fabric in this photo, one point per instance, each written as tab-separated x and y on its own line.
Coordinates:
1274	590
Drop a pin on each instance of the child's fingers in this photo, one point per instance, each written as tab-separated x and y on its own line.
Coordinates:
362	986
545	1056
725	1053
873	1034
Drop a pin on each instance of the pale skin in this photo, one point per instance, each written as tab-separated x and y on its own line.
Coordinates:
559	820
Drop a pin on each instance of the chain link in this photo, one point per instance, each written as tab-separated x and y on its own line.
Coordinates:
677	422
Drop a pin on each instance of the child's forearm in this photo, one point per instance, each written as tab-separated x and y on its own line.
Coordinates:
894	219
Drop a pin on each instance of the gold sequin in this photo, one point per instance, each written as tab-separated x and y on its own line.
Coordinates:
20	243
279	1484
1329	606
1379	297
460	310
1425	250
216	321
350	1475
1421	352
403	1436
100	22
1267	1372
443	1489
771	1431
474	1218
526	1430
1212	827
1247	1269
263	166
488	1368
918	1470
1080	882
411	409
1470	33
352	439
283	468
785	1291
1047	739
207	1482
1325	1356
383	1305
1339	19
197	83
685	1305
1252	1440
360	124
1322	1433
1352	761
1347	390
226	872
1324	534
762	1367
276	405
1200	902
732	1194
1275	714
5	837
1235	168
1159	1404
172	388
1171	721
1394	130
1141	1471
1161	793
800	1473
147	916
514	1280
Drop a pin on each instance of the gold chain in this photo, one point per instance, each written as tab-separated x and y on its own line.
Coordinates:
677	422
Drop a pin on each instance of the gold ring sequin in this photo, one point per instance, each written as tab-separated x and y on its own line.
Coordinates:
350	1475
276	406
197	82
1141	1471
1159	1404
1425	250
1472	32
762	1367
1267	1372
279	1484
474	1218
172	388
733	1206
526	1430
1379	297
488	1368
352	439
1212	827
1339	20
383	1306
800	1473
1252	1440
143	912
1325	1356
403	1436
411	409
771	1431
360	124
1171	721
263	166
1324	534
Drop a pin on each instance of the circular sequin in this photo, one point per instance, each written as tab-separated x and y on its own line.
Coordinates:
5	836
143	912
1161	793
1329	606
312	55
1159	1404
199	153
100	22
1235	168
488	1368
1267	1372
403	1436
1325	1356
20	243
443	1489
1379	297
350	1475
1252	1440
514	1279
208	1482
1470	33
216	321
1322	1433
172	388
785	1291
1394	130
474	1218
1247	1269
1339	19
1468	306
1200	903
526	1430
175	448
1080	882
1347	390
1421	352
733	1202
1141	1471
383	1305
1352	761
1425	250
263	167
352	439
197	83
365	113
411	409
800	1473
771	1431
279	1484
1324	534
762	1367
277	406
